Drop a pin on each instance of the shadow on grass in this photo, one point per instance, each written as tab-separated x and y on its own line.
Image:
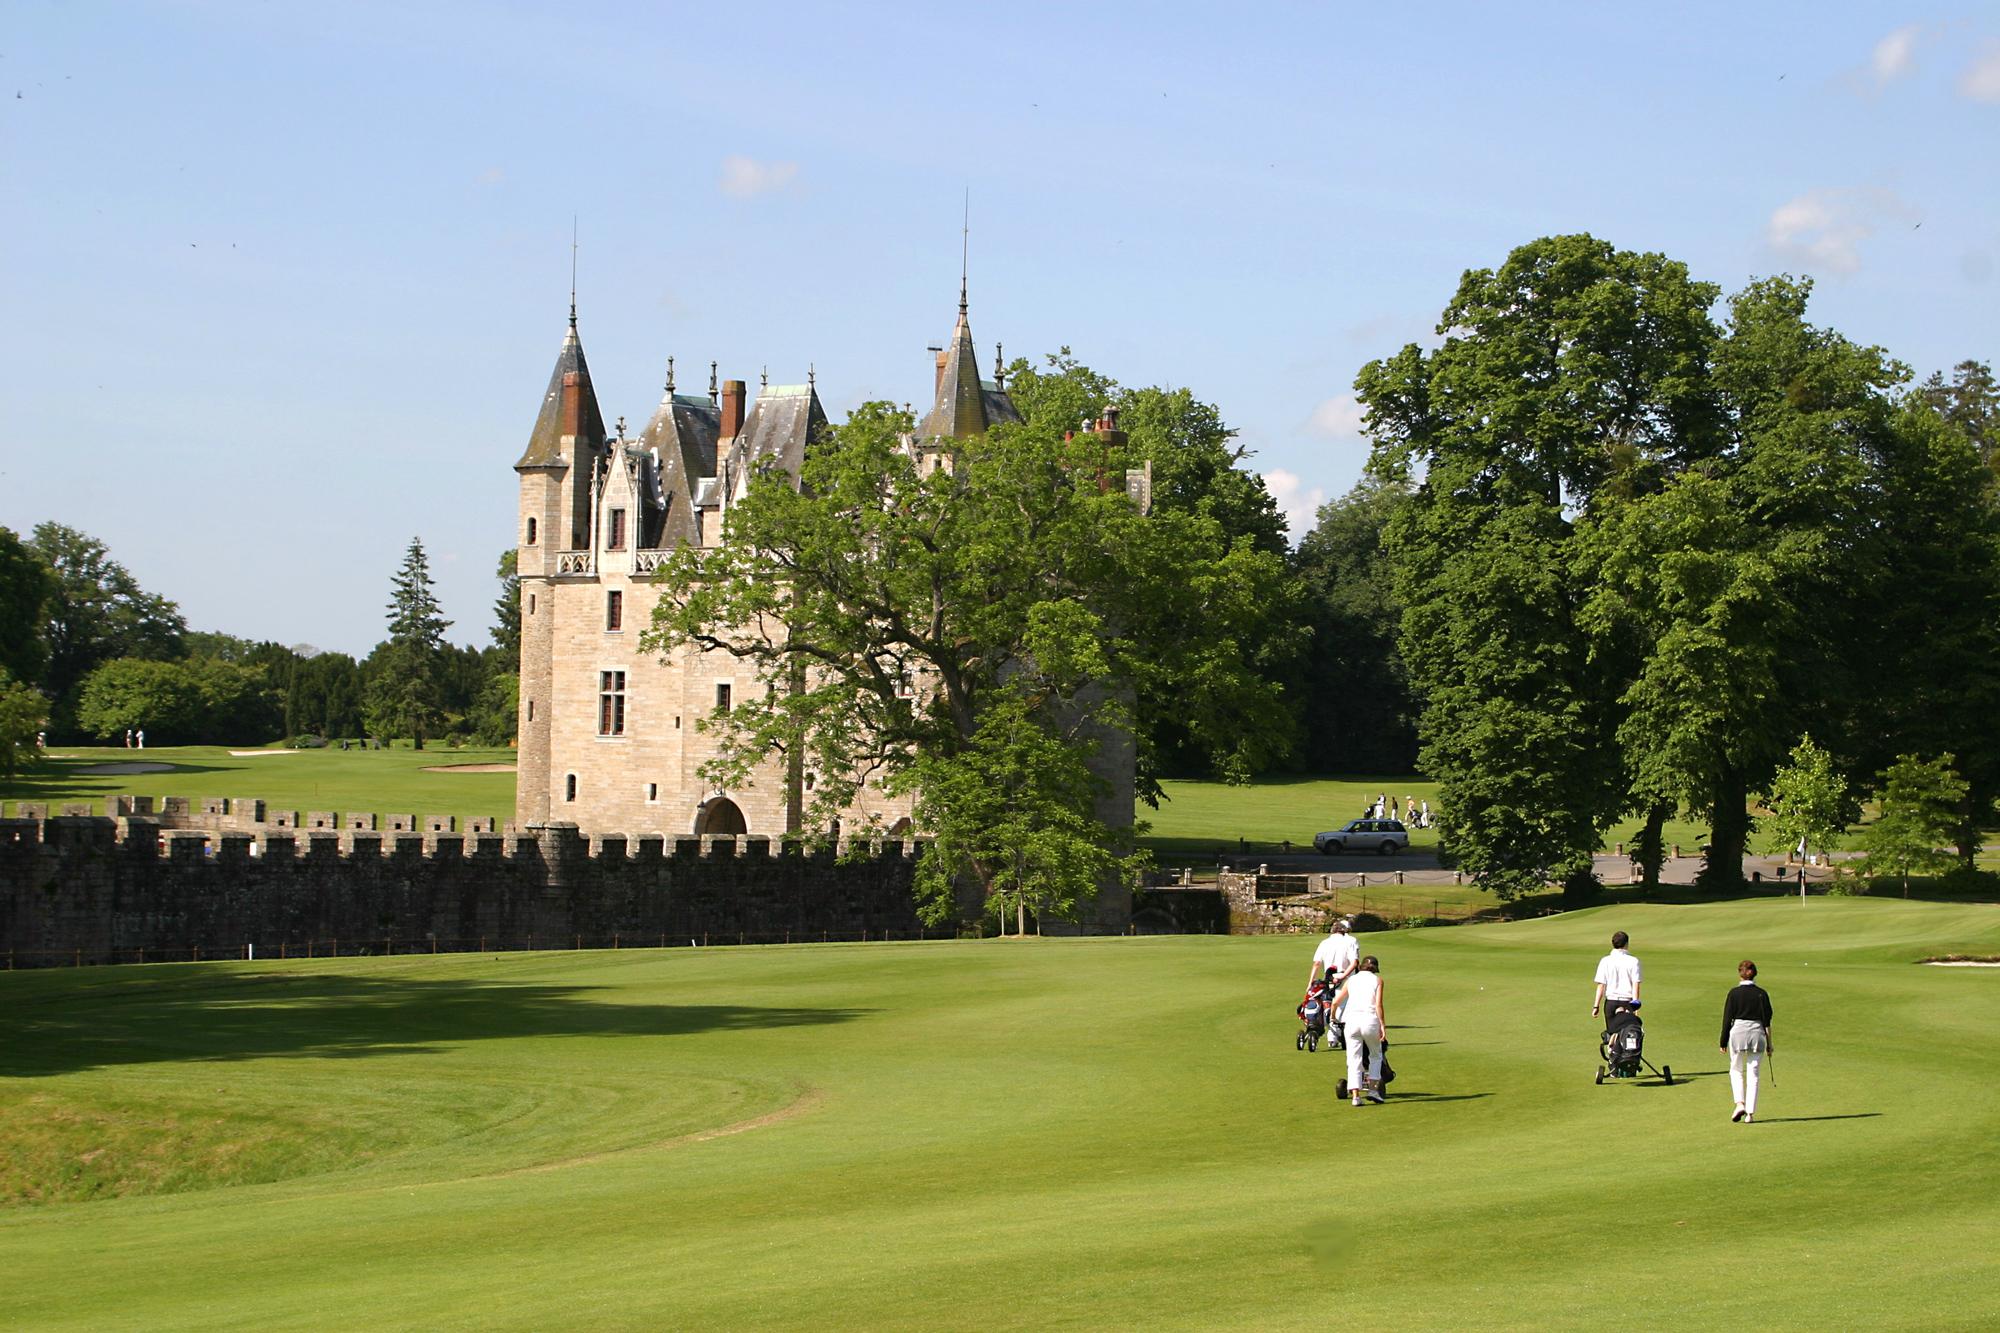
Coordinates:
56	781
339	1017
1400	1096
1810	1119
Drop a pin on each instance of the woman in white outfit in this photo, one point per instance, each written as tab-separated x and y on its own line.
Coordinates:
1361	994
1746	1037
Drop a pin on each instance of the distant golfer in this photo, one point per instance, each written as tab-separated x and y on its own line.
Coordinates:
1336	955
1361	997
1746	1038
1618	977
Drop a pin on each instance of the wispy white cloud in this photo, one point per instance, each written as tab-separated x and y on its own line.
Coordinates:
1981	79
1895	55
1339	418
1824	229
746	177
1298	502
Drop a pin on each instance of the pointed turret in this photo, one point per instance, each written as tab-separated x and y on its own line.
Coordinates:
959	411
568	408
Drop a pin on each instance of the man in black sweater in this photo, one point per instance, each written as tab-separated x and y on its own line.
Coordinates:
1746	1037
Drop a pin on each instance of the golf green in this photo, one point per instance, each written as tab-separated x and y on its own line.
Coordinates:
1015	1134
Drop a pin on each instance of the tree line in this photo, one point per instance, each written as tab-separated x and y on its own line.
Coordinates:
88	654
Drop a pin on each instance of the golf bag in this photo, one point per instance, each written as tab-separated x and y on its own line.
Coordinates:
1623	1046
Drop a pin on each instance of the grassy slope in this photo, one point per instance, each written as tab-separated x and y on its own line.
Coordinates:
1022	1134
369	781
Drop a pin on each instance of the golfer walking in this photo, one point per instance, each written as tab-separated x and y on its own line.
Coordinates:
1336	955
1618	978
1361	998
1746	1039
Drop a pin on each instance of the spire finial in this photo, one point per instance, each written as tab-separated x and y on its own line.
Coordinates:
670	377
714	393
764	378
812	376
572	272
621	428
964	249
999	366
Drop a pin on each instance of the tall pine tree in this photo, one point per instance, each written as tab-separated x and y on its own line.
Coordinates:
406	696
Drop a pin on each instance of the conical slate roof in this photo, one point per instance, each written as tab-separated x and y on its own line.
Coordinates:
960	410
545	444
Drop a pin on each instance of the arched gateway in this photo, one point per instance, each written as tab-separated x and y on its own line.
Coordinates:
721	817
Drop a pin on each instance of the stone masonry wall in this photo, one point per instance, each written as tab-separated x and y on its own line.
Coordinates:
97	889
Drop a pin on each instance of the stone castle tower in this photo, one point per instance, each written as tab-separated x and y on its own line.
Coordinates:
607	732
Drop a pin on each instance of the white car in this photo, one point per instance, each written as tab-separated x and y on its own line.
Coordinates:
1386	836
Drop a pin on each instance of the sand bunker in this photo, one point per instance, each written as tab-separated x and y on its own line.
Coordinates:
134	766
1962	962
469	768
252	754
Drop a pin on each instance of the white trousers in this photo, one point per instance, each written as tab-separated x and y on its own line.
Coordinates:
1364	1053
1743	1066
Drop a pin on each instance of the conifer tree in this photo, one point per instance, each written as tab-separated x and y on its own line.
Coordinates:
406	695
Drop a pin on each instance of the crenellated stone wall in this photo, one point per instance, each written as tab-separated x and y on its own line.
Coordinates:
101	889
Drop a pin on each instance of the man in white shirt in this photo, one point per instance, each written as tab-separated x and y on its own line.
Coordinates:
1336	955
1618	978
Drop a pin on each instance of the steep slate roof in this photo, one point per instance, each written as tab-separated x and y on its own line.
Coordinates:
960	410
683	434
545	444
782	422
999	404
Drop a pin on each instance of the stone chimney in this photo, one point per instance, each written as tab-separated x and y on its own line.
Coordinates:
732	409
572	404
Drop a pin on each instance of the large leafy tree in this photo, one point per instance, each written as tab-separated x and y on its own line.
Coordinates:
1357	712
976	634
406	691
96	612
1573	370
26	585
1930	606
202	700
1198	468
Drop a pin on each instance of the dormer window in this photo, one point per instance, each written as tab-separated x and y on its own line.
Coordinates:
614	539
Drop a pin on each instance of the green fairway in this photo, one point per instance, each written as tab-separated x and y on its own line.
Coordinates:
1021	1134
381	782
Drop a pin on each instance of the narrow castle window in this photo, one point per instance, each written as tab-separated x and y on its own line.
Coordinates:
721	696
569	788
614	610
611	703
531	532
531	604
615	540
652	793
531	710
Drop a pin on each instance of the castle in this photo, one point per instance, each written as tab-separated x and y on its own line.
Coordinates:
609	739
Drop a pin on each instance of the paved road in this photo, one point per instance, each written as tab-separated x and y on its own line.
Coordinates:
1421	867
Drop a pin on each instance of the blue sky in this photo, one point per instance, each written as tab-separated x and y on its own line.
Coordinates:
283	283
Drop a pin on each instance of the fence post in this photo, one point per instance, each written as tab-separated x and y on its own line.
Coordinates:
79	956
197	953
